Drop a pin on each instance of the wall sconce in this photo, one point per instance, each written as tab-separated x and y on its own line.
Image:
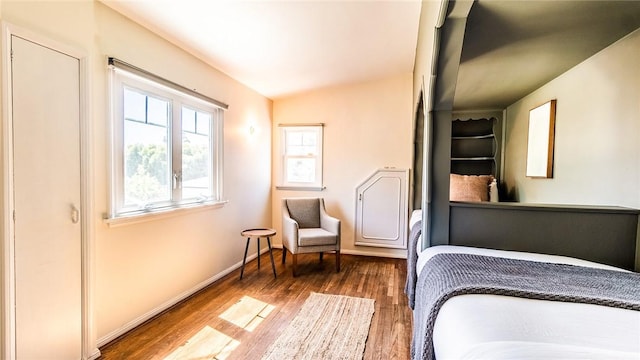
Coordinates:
252	130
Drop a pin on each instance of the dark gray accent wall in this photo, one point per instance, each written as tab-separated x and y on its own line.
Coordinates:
602	234
418	158
448	61
441	165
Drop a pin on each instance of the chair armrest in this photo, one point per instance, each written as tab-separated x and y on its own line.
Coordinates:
289	233
330	224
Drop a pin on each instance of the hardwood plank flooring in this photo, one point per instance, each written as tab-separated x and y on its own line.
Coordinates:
180	331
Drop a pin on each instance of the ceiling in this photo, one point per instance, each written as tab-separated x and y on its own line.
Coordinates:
511	48
280	48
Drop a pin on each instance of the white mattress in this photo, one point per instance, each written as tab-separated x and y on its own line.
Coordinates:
501	327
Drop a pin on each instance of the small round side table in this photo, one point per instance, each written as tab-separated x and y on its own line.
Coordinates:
258	233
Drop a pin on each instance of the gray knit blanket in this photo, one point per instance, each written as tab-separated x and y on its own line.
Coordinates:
448	275
412	261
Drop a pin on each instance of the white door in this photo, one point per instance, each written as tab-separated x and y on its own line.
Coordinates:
46	170
382	209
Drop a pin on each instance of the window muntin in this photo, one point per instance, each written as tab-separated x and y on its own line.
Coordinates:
301	156
167	147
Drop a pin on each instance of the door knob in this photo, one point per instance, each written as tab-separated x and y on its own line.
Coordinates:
75	214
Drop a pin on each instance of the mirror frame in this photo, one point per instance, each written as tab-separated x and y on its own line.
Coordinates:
540	140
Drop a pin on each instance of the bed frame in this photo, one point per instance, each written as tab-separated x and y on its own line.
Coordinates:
606	235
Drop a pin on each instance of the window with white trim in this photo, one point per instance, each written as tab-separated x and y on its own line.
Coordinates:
166	146
301	154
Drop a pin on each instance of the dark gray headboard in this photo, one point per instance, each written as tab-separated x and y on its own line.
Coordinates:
606	235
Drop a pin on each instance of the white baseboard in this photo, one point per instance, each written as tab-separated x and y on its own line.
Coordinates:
168	304
358	252
372	253
94	355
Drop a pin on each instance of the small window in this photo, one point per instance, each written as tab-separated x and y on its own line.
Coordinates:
301	149
166	147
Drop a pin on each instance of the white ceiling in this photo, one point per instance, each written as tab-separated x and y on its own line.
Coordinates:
280	48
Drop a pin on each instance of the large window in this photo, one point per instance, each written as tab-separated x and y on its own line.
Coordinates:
301	150
167	146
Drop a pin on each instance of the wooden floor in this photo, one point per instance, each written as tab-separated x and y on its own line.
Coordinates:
198	317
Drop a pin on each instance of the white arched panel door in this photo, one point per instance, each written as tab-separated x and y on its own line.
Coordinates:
382	209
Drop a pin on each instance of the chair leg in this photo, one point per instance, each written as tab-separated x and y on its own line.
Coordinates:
284	254
321	253
337	260
295	264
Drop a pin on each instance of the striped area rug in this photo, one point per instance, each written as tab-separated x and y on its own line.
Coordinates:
327	327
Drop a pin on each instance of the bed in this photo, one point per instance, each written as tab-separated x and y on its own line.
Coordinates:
489	326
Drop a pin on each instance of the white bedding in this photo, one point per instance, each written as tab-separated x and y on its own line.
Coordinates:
416	215
501	327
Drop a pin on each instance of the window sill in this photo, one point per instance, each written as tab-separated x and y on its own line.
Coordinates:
301	188
141	217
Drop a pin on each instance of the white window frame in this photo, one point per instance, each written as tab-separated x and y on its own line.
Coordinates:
284	183
179	98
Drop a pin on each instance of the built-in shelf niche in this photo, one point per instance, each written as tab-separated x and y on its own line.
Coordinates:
474	147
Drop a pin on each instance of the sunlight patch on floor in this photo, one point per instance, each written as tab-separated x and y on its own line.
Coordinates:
208	343
247	313
211	344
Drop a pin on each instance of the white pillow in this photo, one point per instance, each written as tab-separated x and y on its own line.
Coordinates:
493	191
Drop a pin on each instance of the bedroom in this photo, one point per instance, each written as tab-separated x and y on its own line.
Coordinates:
134	263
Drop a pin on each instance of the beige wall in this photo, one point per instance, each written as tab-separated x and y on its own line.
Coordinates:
597	144
367	126
141	267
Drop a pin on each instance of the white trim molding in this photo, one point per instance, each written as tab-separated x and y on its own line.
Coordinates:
374	254
389	254
8	269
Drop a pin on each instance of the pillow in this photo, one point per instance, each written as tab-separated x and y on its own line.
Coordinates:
469	187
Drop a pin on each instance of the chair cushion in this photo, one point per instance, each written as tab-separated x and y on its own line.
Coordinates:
315	237
305	211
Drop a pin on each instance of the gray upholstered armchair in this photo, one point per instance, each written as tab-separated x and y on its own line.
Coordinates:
307	228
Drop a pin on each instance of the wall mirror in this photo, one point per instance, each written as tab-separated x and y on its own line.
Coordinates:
540	140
